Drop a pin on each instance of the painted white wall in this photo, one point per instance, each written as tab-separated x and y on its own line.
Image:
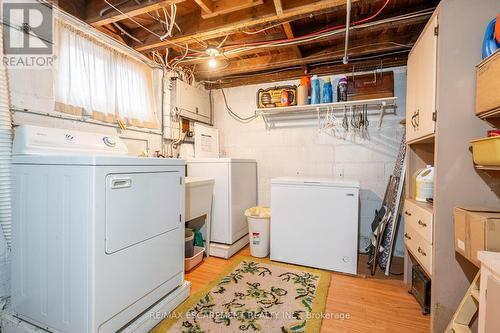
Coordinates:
303	151
32	90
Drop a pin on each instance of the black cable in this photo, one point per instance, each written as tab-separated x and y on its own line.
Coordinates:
234	115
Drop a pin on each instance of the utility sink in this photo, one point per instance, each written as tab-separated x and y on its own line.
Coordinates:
199	193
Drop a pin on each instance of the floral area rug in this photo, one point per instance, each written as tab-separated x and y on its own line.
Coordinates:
255	296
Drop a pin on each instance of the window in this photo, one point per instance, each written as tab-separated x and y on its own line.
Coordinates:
96	80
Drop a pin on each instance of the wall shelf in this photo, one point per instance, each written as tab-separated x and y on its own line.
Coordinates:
377	106
491	117
488	168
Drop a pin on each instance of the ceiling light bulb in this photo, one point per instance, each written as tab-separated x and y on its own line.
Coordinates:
212	51
212	63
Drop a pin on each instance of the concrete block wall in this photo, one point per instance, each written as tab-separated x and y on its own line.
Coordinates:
304	151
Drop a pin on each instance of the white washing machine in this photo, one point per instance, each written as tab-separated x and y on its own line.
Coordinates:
98	237
235	190
314	222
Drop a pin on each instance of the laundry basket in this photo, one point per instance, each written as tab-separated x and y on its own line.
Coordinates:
259	219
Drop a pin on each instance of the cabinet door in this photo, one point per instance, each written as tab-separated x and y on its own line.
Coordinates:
422	68
411	105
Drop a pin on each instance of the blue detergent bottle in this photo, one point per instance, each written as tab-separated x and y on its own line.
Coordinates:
327	91
315	90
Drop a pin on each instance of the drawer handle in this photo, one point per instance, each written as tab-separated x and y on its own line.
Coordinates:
407	213
118	183
422	223
421	251
407	236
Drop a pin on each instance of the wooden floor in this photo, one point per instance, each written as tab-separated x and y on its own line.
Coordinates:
372	304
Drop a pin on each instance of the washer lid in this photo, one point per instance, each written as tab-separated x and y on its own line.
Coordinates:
95	160
220	160
308	181
35	140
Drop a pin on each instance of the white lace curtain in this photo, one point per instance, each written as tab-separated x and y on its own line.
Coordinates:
97	80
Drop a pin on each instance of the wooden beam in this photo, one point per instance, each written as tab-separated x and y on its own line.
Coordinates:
279	7
384	32
364	47
287	27
207	6
223	7
293	73
194	28
128	11
115	33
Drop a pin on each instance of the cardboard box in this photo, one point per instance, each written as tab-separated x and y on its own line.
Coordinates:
476	229
488	84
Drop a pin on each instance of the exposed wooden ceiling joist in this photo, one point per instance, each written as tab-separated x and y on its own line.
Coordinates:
287	27
363	47
295	73
125	12
194	28
383	31
212	9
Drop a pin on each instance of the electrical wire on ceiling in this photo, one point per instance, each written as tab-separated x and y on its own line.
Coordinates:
171	21
236	49
281	70
333	53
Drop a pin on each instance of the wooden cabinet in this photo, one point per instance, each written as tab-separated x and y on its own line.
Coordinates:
421	84
419	216
441	76
418	232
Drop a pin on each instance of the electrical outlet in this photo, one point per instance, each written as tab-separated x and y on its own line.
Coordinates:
339	172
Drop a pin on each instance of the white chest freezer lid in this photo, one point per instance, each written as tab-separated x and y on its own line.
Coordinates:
220	160
310	181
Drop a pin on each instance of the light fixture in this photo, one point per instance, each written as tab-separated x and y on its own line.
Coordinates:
212	63
212	51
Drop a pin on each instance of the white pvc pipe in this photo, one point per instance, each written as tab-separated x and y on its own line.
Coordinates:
5	151
347	26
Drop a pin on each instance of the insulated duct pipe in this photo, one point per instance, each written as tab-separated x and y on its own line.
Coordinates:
347	26
5	151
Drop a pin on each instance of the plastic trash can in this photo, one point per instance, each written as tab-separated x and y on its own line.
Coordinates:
259	223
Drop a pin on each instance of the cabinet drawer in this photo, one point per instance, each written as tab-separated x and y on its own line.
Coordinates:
420	219
419	248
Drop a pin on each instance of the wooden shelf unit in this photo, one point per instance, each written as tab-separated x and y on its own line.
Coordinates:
491	117
440	123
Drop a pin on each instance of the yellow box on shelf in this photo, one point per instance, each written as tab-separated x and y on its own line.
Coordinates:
486	152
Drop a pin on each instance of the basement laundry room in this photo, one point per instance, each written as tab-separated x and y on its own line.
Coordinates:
274	166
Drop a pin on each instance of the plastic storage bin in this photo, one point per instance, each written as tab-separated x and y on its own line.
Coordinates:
486	152
195	260
189	243
259	230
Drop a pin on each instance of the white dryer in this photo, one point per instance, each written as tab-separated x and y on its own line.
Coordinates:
98	237
314	222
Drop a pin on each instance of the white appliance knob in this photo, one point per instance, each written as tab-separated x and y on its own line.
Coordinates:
108	142
346	259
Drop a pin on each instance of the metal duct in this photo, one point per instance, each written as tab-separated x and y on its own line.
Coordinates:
5	151
345	60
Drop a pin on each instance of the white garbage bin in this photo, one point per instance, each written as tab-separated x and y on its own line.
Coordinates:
259	219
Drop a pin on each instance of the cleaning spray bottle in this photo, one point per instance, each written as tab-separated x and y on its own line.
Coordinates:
315	90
